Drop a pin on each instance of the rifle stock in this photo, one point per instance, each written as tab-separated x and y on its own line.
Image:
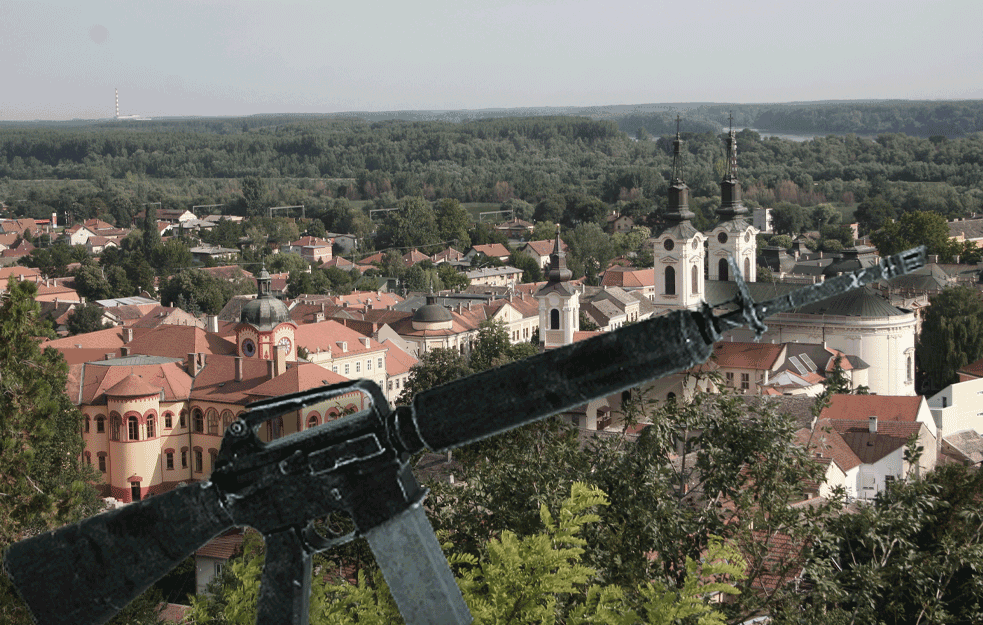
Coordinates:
87	572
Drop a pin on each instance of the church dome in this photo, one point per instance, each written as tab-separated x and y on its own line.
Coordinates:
265	312
432	313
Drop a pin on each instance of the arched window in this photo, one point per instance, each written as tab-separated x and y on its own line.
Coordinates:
150	426
168	420
670	281
554	319
227	419
695	279
909	367
115	426
213	421
132	429
212	456
671	397
183	420
199	420
312	421
722	269
100	424
87	419
331	414
747	268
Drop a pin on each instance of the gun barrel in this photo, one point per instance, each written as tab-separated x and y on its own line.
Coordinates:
83	574
500	399
497	400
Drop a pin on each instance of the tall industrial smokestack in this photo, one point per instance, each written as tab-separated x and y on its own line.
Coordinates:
117	104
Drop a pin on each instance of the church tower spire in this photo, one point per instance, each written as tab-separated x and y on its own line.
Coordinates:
678	249
732	236
730	187
678	206
559	302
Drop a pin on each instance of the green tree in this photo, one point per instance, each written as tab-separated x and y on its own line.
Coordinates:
952	335
413	225
316	229
44	483
788	218
823	215
436	366
913	555
874	213
490	348
84	319
453	222
590	251
916	228
91	283
171	256
737	480
151	235
531	271
516	579
452	278
255	195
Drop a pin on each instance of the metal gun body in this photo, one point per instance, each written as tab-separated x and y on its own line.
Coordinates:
359	465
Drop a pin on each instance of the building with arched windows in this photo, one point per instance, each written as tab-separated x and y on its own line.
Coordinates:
559	303
679	249
732	237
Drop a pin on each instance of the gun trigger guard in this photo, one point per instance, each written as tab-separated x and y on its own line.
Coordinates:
316	543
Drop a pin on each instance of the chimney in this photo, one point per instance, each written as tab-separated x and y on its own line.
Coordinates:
280	360
192	364
124	351
873	424
211	323
127	335
270	369
238	360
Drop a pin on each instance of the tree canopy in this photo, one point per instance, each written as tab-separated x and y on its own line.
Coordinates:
952	335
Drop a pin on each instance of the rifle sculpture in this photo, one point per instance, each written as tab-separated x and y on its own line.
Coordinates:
85	573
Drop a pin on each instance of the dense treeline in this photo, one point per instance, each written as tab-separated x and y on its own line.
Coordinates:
493	159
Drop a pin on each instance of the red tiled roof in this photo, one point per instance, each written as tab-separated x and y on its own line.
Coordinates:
631	277
300	376
736	355
100	379
174	341
227	272
398	362
222	547
492	249
172	613
216	381
309	241
413	257
871	447
546	247
884	407
825	442
374	258
132	386
974	369
330	334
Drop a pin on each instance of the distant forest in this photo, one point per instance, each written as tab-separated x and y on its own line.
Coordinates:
620	155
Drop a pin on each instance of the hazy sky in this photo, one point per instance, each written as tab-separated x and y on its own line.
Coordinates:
62	60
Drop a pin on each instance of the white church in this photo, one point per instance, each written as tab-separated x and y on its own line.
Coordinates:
691	268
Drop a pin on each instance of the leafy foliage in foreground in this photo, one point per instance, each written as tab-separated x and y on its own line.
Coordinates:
533	579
